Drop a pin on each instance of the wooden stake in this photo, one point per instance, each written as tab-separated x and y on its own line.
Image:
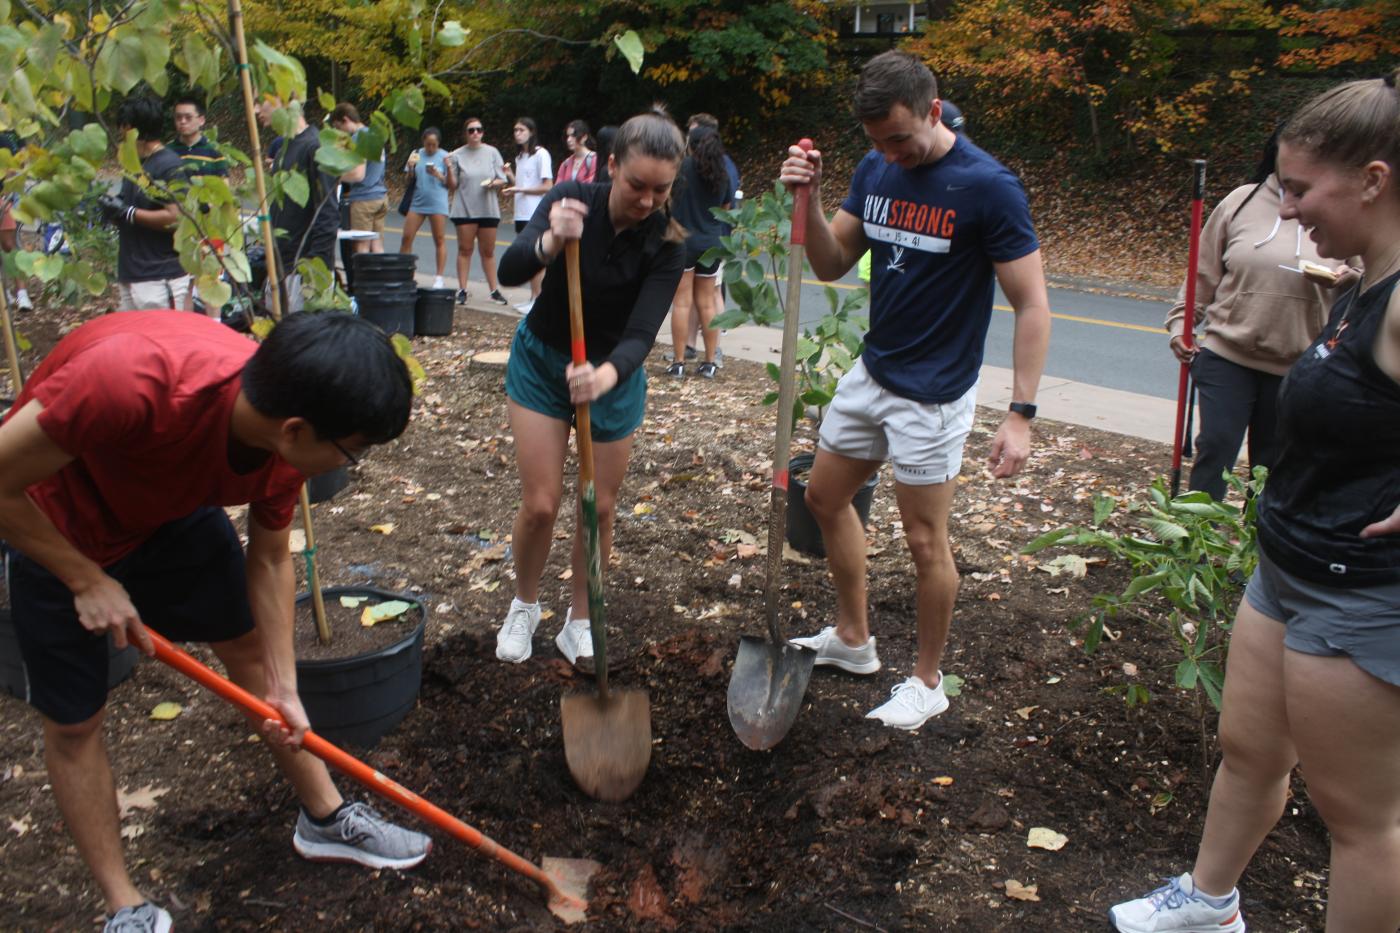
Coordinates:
245	79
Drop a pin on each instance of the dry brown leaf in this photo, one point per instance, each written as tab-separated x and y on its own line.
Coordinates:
143	798
1022	892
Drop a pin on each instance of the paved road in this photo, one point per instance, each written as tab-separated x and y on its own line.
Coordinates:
1099	340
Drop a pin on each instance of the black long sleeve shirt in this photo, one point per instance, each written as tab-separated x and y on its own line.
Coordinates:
628	280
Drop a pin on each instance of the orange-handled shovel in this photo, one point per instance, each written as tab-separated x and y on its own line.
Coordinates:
567	906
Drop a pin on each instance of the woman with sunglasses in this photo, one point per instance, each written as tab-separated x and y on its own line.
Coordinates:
476	206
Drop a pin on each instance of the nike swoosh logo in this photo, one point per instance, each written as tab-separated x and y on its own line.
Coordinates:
957	187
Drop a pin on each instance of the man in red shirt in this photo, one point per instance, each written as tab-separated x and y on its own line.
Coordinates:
114	465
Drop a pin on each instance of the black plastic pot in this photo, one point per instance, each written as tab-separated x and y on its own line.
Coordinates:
357	700
383	267
393	314
432	315
803	532
323	486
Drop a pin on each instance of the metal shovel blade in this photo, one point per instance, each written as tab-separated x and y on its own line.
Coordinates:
607	742
766	690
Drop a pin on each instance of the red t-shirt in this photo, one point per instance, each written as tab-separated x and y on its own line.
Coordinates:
143	401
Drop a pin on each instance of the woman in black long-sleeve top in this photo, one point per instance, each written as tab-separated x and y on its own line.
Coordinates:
631	255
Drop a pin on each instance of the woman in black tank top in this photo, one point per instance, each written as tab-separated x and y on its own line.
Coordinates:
1314	664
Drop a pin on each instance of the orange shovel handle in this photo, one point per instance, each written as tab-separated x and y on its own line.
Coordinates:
350	765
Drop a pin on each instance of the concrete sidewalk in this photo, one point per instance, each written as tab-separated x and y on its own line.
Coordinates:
1142	416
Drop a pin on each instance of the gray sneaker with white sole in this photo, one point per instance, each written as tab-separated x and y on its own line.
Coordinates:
360	835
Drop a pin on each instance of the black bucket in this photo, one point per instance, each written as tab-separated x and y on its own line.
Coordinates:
386	289
432	315
393	314
323	486
356	701
384	267
803	532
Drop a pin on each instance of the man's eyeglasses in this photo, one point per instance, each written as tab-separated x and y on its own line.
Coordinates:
474	129
354	460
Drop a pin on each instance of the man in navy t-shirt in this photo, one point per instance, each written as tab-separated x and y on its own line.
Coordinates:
944	222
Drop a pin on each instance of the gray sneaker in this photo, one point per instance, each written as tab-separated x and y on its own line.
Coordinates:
143	918
360	835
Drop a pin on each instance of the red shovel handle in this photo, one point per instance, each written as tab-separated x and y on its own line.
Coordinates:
361	772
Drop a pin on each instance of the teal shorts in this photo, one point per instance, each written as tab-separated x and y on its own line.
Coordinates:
535	379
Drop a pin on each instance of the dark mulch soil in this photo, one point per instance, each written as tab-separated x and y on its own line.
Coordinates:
845	825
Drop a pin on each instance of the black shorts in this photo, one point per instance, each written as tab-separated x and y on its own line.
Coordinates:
187	581
488	222
520	225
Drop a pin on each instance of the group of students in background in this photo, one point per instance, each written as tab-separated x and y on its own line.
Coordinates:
463	186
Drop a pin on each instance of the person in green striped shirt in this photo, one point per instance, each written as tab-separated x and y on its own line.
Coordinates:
201	157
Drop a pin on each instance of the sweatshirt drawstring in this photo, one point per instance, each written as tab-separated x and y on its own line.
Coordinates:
1298	249
1274	232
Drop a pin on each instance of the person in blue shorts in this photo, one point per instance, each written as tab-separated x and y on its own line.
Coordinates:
631	256
945	222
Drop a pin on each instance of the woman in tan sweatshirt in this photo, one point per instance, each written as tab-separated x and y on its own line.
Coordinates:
1252	321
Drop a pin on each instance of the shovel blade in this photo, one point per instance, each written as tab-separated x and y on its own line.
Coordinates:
571	877
607	742
766	690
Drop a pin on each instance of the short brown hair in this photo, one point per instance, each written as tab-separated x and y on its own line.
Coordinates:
345	111
894	78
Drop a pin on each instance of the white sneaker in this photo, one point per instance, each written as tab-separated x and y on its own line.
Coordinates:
833	652
911	704
143	918
513	638
24	304
575	639
525	306
437	282
1177	907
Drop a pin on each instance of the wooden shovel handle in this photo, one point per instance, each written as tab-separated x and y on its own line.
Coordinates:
787	395
580	356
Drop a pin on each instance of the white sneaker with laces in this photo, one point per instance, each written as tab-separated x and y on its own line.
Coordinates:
833	652
1177	907
911	704
575	639
143	918
513	638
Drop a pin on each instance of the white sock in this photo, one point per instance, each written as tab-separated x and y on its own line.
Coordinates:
517	603
1217	902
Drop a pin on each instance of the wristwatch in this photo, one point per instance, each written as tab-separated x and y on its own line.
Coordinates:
1024	409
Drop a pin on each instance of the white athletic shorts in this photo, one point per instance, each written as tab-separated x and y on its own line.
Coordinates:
923	441
155	296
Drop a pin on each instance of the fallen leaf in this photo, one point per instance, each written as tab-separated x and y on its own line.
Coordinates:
952	685
943	781
384	611
1041	837
1021	892
1130	669
568	574
643	508
1025	711
746	551
350	602
143	798
19	827
387	528
164	712
1071	564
